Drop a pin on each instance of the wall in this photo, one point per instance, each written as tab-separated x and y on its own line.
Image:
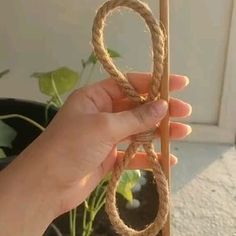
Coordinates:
43	35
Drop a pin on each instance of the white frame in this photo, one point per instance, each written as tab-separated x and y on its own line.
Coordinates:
225	129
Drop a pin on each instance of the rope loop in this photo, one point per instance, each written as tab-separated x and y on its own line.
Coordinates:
145	139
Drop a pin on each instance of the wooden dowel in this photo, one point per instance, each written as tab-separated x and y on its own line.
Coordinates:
164	127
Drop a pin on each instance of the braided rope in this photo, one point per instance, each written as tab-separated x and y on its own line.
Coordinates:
144	139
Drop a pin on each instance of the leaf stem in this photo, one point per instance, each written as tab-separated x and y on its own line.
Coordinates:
99	206
49	104
101	198
70	219
34	123
57	96
56	230
95	203
74	220
90	73
85	215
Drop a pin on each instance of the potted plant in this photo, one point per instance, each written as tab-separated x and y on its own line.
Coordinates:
22	121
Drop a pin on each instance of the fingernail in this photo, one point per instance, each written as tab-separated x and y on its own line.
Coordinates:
186	80
189	129
159	108
189	109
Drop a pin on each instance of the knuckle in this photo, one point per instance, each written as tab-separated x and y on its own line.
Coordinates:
77	98
140	116
77	93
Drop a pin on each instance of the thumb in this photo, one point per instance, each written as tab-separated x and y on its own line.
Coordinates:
138	120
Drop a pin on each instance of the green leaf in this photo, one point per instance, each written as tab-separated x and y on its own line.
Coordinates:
92	59
2	154
127	181
113	53
7	135
64	79
4	73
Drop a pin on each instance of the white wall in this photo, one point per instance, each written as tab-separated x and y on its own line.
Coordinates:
43	35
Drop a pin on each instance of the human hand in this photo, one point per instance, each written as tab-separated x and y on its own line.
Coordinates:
82	138
67	161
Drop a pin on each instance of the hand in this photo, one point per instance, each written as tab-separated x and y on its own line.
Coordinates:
78	148
82	138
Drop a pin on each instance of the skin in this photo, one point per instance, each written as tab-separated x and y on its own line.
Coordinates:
67	161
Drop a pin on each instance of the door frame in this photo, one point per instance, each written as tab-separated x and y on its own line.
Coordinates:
225	129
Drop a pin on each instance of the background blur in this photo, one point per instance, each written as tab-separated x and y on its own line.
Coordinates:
39	36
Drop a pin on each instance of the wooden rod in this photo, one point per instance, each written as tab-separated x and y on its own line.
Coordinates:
164	127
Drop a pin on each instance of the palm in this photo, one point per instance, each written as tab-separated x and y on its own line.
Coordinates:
106	96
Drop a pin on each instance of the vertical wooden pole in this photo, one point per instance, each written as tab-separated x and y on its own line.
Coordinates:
165	147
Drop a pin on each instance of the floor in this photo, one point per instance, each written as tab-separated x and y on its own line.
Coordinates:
204	190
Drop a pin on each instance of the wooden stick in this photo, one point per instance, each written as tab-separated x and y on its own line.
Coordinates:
165	147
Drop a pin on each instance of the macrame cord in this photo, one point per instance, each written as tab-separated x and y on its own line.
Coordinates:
144	139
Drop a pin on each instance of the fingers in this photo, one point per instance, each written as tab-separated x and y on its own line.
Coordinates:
139	119
177	108
178	82
141	161
141	82
101	95
177	131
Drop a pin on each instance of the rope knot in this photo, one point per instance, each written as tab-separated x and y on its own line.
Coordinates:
145	137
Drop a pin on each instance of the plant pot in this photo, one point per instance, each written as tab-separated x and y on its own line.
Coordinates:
26	133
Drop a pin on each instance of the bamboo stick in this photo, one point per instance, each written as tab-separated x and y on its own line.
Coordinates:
164	127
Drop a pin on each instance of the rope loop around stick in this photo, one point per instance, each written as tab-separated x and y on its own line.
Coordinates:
143	139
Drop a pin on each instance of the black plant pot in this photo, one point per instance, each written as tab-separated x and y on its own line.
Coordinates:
26	133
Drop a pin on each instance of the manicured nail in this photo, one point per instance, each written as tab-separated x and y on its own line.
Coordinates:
186	80
189	130
189	109
159	108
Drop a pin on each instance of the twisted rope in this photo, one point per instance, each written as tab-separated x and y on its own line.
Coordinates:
144	139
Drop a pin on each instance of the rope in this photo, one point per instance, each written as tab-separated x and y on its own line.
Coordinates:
144	139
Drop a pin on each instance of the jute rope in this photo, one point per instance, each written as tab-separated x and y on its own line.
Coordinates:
144	139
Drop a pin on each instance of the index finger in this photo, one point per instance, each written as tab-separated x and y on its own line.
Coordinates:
140	82
141	161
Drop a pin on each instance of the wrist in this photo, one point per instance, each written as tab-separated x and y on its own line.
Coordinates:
28	202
